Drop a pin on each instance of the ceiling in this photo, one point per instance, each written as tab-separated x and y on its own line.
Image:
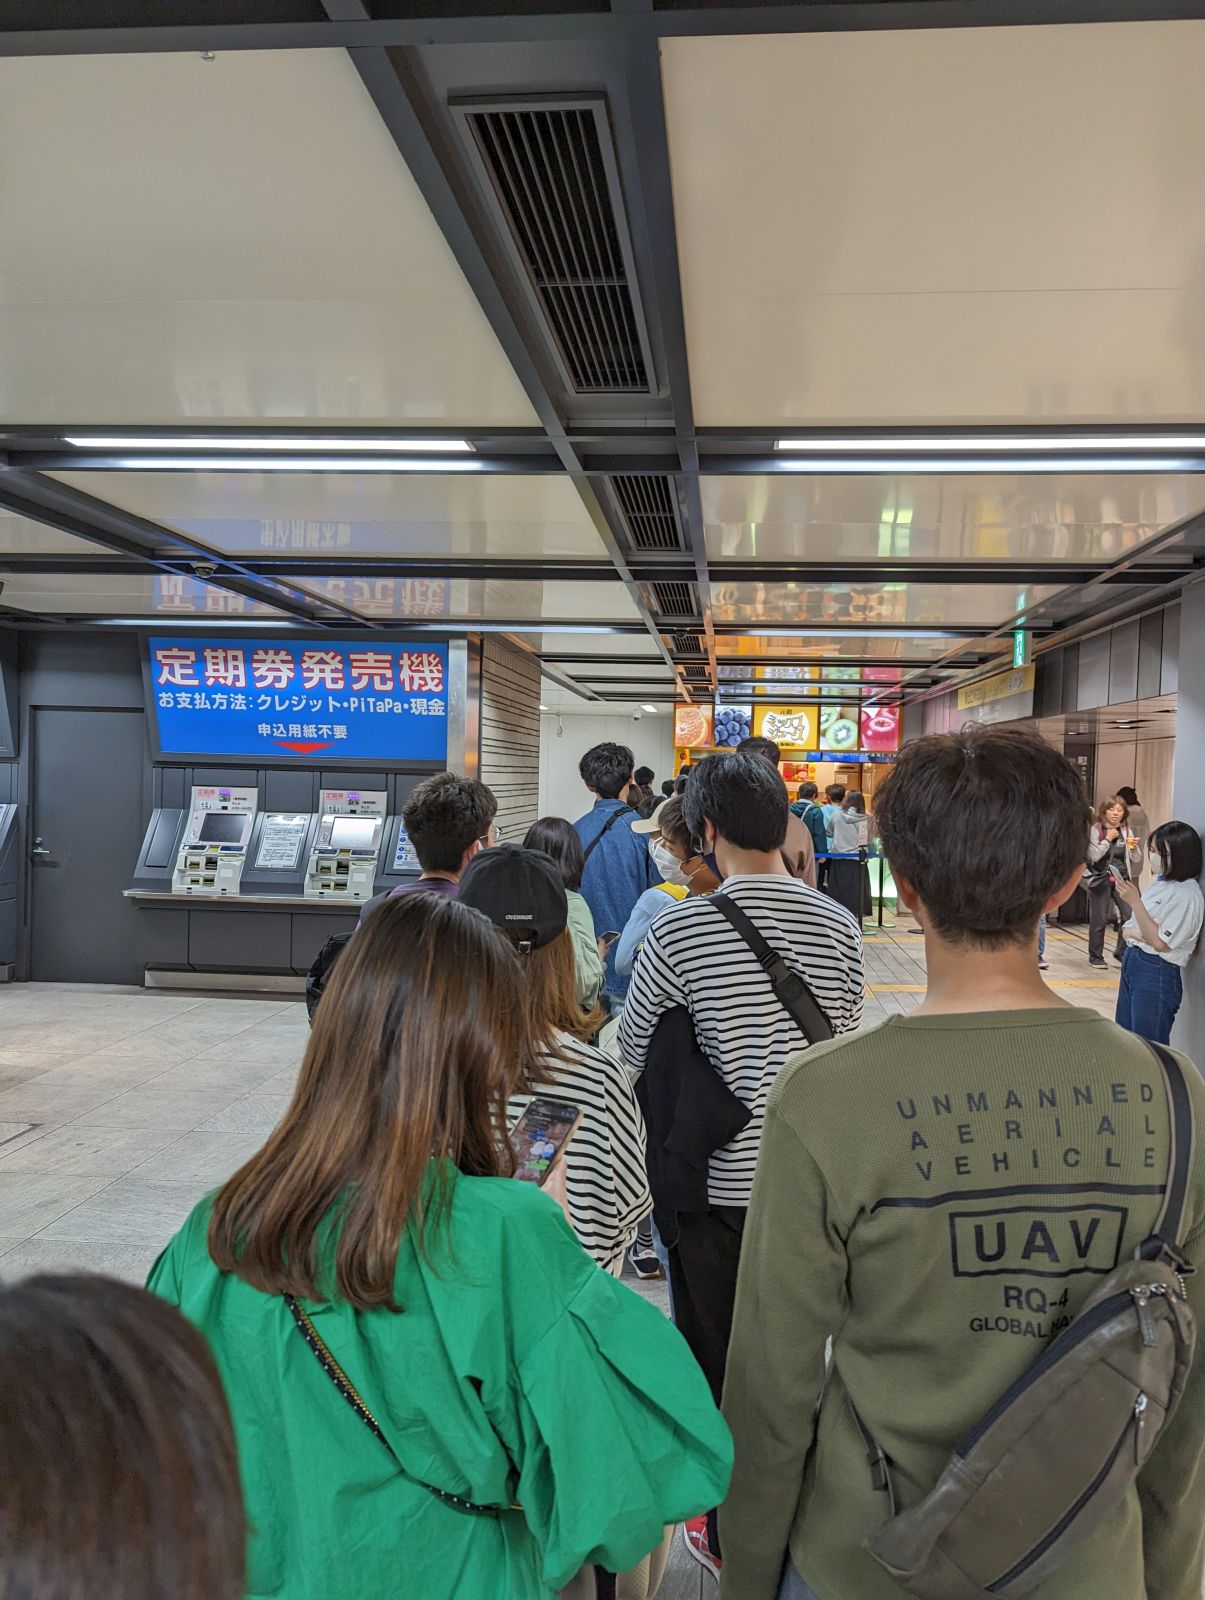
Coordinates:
685	344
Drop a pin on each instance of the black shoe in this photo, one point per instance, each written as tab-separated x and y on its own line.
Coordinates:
1097	961
644	1263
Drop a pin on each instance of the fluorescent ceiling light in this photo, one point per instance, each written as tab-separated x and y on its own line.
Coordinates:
175	620
652	710
271	441
885	632
955	464
294	464
1013	444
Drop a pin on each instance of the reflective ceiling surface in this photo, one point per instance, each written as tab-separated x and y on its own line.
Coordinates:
937	258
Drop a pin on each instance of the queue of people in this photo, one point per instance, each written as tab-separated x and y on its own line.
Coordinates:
374	1363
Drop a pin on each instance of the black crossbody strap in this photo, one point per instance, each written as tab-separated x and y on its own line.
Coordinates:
605	829
349	1392
791	991
1182	1132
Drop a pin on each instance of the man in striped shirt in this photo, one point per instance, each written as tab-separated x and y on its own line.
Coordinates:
736	807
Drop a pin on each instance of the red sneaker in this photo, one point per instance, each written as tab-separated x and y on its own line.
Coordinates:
695	1534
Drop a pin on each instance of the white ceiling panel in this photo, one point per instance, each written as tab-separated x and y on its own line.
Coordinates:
948	225
159	597
22	536
999	517
374	514
235	239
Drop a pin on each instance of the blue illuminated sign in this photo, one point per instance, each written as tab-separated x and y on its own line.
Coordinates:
359	702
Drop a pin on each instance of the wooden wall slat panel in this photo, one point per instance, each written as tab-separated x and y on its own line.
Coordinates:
510	735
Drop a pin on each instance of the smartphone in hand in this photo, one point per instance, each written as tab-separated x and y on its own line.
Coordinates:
540	1136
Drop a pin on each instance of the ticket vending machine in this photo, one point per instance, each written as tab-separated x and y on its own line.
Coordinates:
343	862
214	848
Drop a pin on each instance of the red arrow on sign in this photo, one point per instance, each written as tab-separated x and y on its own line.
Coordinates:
303	748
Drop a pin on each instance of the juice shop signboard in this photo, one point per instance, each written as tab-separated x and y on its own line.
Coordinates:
277	698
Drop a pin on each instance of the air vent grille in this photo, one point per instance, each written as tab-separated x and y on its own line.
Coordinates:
553	173
674	599
650	510
696	674
686	644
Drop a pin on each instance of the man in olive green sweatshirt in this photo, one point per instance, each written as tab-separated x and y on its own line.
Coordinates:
940	1194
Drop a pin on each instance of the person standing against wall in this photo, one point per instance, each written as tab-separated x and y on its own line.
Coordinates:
1140	825
1162	933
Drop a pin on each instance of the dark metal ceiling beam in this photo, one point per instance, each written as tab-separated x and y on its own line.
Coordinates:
395	82
121	25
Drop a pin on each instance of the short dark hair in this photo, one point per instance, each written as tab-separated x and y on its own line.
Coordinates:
1179	847
667	788
683	776
444	816
671	824
835	793
558	839
644	776
1129	795
808	791
760	746
120	1466
1012	814
743	797
607	768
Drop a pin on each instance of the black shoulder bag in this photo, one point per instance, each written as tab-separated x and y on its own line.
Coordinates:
793	994
605	830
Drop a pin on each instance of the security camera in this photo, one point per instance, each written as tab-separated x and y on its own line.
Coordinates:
204	569
636	716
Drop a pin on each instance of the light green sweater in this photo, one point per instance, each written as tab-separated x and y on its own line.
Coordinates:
586	959
940	1195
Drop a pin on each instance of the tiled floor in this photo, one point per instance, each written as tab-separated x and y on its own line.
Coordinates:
119	1109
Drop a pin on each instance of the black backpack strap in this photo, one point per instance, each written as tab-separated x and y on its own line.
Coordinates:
791	991
1169	1227
605	829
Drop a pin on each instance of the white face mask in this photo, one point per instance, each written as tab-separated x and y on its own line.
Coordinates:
668	865
1156	863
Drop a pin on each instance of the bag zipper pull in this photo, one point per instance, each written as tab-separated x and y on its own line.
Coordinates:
1140	1405
1141	1296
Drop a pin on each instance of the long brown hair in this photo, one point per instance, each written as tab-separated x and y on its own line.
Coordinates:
414	1052
120	1477
552	1003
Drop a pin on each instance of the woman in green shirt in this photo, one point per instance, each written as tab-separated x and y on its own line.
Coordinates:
436	1392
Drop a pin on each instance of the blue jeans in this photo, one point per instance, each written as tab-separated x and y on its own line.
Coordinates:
1149	996
793	1586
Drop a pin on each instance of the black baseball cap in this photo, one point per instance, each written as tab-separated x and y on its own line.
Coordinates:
520	891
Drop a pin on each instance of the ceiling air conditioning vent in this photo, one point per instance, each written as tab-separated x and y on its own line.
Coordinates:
674	599
686	644
650	510
696	675
549	162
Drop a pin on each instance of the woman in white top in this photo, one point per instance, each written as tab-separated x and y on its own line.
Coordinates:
523	894
1164	926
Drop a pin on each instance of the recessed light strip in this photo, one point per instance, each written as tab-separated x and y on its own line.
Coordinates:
853	465
269	442
1018	444
295	464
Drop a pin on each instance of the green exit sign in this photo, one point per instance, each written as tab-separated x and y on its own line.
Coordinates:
1020	648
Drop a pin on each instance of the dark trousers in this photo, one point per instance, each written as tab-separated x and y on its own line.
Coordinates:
1103	900
1149	996
702	1271
849	885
